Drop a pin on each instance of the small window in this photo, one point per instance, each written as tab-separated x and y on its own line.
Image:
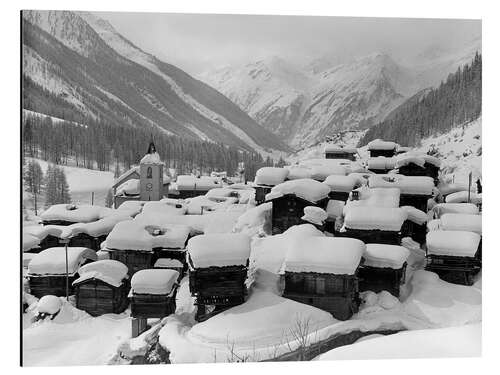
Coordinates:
149	173
320	285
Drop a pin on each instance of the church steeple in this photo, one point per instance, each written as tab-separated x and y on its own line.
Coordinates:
151	148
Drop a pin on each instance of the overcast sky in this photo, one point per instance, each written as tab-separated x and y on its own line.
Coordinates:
200	42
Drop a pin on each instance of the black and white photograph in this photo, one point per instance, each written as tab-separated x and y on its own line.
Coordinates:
227	188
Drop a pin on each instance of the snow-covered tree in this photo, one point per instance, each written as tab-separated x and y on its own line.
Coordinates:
33	181
56	186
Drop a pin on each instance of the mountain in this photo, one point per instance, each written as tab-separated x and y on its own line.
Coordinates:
456	101
303	105
78	66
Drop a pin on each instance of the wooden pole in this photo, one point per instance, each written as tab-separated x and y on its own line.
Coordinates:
470	183
92	198
67	271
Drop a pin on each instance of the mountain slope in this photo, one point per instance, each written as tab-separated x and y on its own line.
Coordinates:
82	60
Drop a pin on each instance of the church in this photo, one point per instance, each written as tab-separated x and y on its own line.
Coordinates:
145	182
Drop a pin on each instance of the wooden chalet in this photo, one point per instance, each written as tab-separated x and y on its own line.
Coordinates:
341	186
291	197
153	293
265	179
383	268
340	152
47	270
379	147
102	287
218	266
454	255
326	276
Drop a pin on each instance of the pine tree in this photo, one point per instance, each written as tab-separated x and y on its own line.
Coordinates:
117	170
50	186
109	199
33	181
62	186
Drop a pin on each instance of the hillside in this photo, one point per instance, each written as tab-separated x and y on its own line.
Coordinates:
76	66
457	100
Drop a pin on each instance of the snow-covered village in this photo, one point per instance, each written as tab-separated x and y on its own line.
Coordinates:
271	210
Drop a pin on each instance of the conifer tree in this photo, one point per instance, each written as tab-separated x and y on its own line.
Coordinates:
33	181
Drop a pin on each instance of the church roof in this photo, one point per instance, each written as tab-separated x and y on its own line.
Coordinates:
125	176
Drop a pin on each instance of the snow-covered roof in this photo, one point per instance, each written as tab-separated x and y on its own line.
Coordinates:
340	149
109	271
434	224
414	185
219	250
169	206
462	222
464	197
153	158
453	187
334	208
341	183
84	213
270	176
97	228
417	158
376	197
361	177
129	187
145	236
314	215
167	262
126	175
378	144
132	207
414	214
456	208
306	188
322	168
452	243
30	241
298	172
381	162
52	261
370	218
154	281
339	256
189	182
385	256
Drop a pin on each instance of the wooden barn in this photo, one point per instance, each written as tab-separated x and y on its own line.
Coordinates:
102	287
383	268
188	186
454	255
380	164
138	244
340	152
153	293
265	179
415	190
218	266
291	197
325	276
341	186
47	270
418	164
379	147
372	224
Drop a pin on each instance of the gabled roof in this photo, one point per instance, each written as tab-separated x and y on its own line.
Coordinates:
127	175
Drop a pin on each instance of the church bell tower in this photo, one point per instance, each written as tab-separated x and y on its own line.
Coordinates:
151	175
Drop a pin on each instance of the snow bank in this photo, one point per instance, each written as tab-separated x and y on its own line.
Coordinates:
452	243
372	218
381	255
306	188
414	214
414	185
339	256
381	162
270	176
254	220
341	183
314	215
430	343
140	235
462	222
154	281
455	208
53	261
109	271
49	305
75	213
463	197
219	250
378	144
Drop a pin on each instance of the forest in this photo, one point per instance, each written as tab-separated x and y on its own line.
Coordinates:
456	101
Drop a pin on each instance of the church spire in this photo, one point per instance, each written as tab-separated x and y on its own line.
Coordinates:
151	148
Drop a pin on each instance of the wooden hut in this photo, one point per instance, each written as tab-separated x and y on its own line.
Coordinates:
188	186
383	268
373	224
153	293
454	255
381	164
379	147
291	197
415	190
325	276
265	179
340	152
47	270
341	186
138	244
102	287
218	266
